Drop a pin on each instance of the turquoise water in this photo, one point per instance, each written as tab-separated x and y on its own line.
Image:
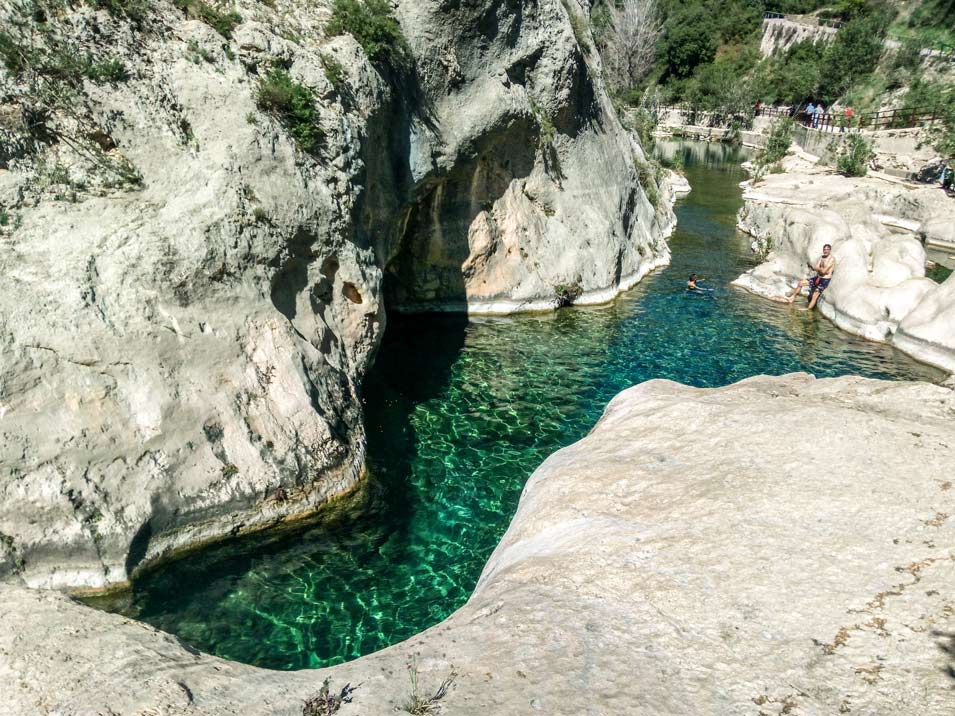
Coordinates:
459	413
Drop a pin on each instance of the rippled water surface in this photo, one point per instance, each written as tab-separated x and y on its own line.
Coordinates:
459	414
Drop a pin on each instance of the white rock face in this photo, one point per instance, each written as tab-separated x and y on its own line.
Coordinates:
873	225
779	34
674	561
181	361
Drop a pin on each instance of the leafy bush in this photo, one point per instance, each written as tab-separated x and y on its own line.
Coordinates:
942	134
792	76
908	57
644	124
722	87
294	104
111	71
778	141
854	156
373	26
566	293
222	22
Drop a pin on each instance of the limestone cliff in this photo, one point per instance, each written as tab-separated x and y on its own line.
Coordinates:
191	299
675	561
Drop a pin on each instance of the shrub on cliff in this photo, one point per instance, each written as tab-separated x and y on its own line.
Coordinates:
854	156
222	22
294	105
134	10
566	293
373	26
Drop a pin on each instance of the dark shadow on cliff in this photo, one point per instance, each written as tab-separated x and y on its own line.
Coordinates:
413	366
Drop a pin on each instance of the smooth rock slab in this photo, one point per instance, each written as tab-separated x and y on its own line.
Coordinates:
782	545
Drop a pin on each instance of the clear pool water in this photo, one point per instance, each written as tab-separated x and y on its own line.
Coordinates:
459	414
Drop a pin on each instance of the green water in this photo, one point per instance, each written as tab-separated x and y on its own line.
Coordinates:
459	414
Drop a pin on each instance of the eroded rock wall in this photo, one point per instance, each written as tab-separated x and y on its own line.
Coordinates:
186	318
523	179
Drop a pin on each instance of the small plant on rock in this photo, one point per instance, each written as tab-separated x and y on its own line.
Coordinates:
335	73
108	71
418	705
566	293
548	132
649	176
222	22
326	703
294	104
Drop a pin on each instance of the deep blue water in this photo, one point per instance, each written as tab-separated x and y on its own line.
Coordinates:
459	414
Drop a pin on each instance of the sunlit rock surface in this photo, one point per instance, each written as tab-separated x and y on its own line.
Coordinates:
180	361
782	545
875	225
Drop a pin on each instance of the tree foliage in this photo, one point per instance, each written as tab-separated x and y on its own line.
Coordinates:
853	55
690	39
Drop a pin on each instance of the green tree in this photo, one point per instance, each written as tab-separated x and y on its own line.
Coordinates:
738	19
852	56
689	40
791	77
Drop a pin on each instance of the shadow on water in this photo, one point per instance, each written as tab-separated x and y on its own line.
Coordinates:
459	413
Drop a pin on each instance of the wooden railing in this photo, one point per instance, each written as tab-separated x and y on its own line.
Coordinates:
885	119
823	122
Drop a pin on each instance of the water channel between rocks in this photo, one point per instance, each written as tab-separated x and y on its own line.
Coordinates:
459	414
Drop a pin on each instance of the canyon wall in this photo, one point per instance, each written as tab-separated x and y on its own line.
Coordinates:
192	293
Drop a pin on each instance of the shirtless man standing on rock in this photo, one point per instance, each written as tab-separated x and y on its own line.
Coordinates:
818	283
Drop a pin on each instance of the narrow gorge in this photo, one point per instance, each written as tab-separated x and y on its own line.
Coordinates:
348	365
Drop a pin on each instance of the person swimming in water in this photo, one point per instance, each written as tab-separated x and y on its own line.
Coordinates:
692	282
